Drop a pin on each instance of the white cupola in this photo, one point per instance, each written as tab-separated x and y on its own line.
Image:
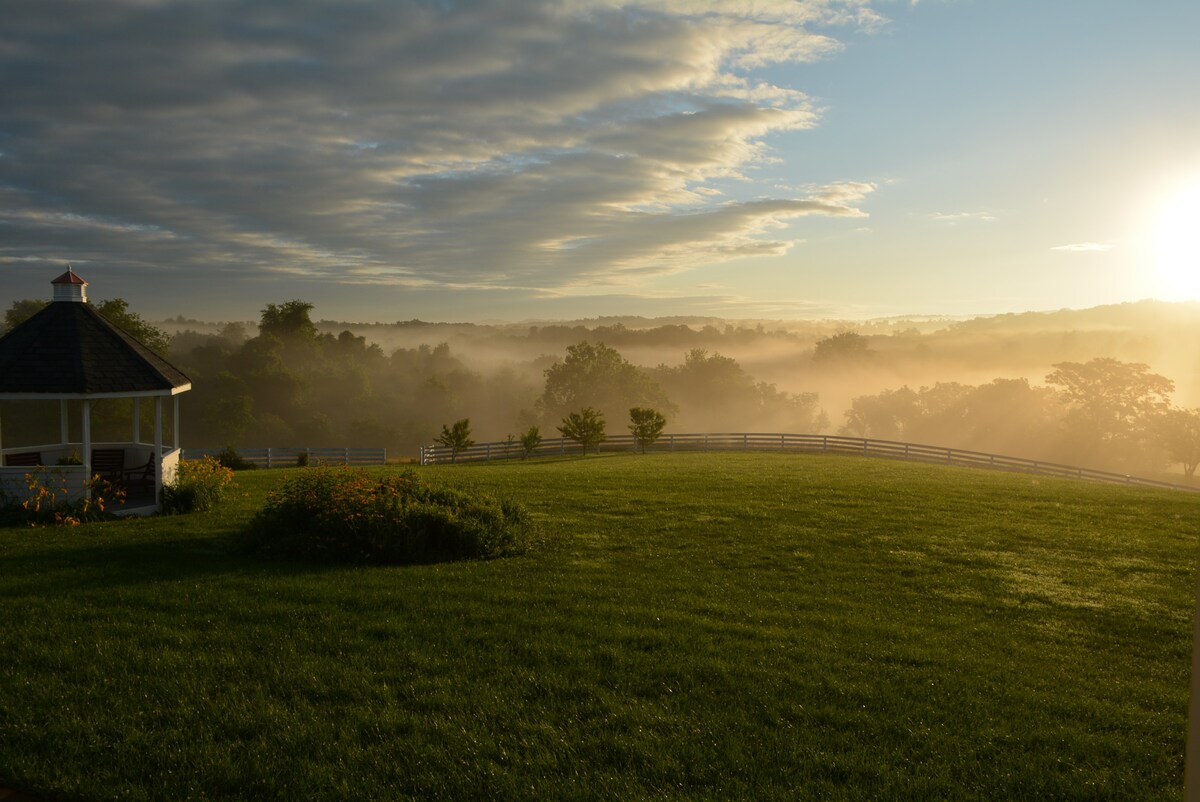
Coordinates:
70	287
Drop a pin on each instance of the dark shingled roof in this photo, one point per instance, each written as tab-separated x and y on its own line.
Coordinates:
68	348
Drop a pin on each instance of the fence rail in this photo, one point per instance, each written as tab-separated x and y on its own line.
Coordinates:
284	457
805	443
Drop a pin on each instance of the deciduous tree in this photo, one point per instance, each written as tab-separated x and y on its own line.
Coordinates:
530	440
599	377
646	425
457	437
585	427
1179	430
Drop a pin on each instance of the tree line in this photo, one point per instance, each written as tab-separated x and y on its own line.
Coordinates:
289	383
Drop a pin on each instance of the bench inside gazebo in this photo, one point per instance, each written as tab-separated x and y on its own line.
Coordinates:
68	353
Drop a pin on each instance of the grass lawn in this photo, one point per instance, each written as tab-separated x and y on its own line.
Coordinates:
691	626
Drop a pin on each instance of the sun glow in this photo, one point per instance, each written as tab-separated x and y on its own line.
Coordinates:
1176	245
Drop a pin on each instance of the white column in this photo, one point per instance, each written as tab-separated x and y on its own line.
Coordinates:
63	424
137	420
158	444
175	421
87	448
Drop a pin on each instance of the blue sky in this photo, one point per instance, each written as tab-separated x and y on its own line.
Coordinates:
518	160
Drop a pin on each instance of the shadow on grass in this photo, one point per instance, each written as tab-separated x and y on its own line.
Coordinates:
62	569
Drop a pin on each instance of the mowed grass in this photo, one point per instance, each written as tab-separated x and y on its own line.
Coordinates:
691	626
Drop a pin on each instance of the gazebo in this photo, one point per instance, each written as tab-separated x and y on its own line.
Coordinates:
69	352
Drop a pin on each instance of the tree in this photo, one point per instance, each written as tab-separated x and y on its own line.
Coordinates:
457	437
116	311
20	311
598	376
888	415
646	425
289	322
1112	406
843	348
585	427
530	441
1179	431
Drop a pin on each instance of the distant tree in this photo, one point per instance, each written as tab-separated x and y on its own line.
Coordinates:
598	376
288	321
457	437
889	415
585	427
116	311
530	440
843	348
646	425
20	311
1112	405
1179	432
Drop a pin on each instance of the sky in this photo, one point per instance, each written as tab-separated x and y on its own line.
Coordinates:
508	160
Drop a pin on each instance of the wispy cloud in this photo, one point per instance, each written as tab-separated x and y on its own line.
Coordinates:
513	143
962	217
1084	247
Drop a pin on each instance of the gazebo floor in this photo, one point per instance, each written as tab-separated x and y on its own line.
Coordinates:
137	502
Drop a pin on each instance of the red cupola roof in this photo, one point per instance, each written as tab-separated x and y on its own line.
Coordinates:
69	278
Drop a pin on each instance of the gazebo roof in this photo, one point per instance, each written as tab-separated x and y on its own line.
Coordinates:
69	350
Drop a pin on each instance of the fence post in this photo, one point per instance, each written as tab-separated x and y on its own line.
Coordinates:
782	442
268	456
706	442
824	442
865	446
487	455
671	441
562	445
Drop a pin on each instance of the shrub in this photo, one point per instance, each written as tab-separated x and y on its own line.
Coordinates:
338	515
229	458
198	487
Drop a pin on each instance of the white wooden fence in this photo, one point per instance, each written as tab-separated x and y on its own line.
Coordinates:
808	443
288	457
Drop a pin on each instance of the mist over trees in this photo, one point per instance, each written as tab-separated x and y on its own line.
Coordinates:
1108	388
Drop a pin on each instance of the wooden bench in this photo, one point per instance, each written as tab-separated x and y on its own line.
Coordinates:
25	459
109	463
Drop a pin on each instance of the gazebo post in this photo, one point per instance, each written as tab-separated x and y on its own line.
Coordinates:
158	443
64	426
87	448
137	420
175	421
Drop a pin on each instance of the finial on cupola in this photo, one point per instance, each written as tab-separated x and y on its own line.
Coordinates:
70	287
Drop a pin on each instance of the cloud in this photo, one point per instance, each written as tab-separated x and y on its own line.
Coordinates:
507	144
962	217
1085	247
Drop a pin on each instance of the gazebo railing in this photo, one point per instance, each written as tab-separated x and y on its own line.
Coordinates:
70	480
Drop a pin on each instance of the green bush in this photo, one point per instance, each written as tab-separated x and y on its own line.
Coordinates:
337	515
232	460
198	486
